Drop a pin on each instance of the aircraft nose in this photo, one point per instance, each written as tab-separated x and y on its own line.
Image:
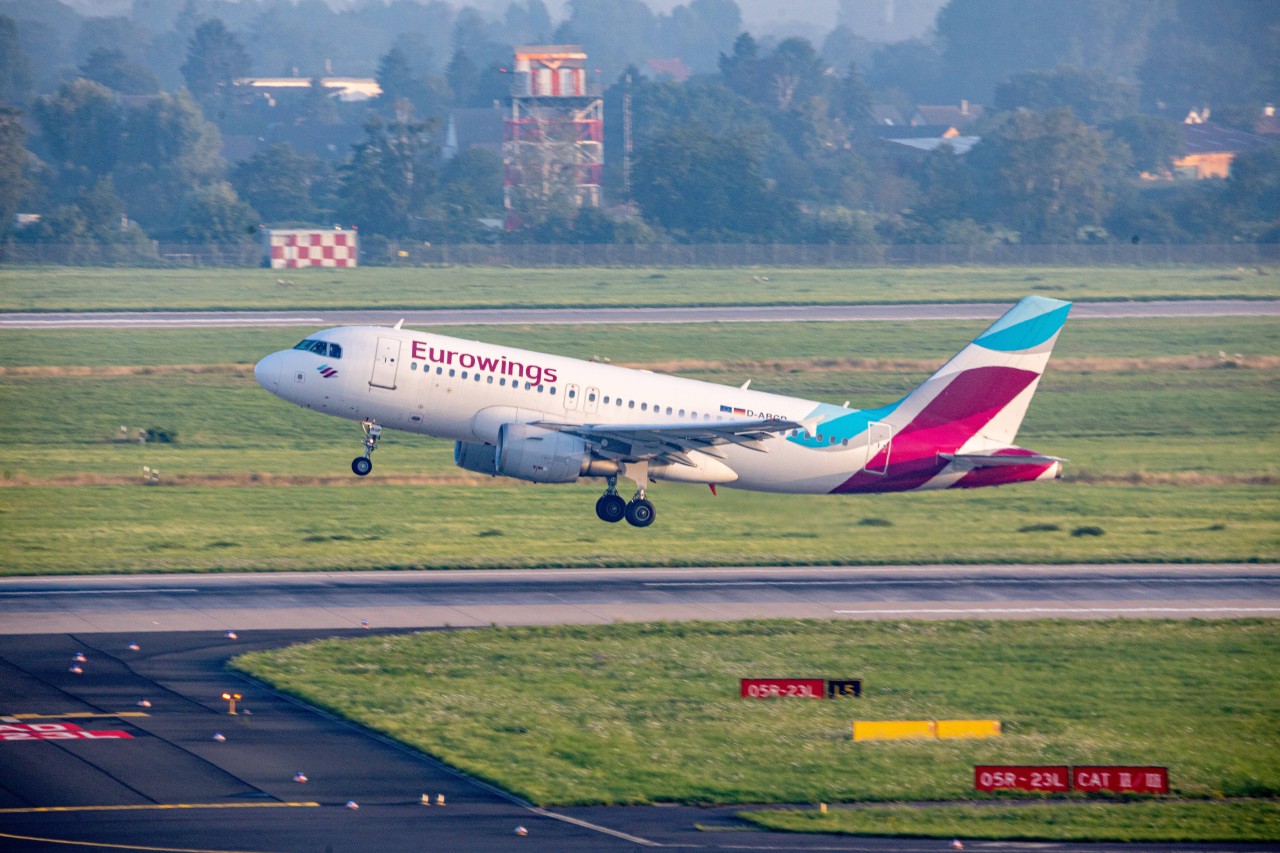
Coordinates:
267	372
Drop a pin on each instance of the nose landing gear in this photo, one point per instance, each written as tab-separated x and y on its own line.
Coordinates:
362	465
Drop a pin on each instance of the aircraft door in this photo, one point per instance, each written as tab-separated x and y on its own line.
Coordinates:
591	401
571	394
879	443
386	363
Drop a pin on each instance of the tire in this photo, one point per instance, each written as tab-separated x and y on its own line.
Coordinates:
361	466
640	513
611	508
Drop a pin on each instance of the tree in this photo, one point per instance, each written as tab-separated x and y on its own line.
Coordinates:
470	189
171	150
215	58
13	165
277	183
699	31
1154	142
81	126
387	179
1092	95
1045	175
706	185
463	78
15	65
111	69
1254	184
215	214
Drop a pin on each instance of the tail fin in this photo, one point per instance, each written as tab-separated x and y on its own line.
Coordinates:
977	399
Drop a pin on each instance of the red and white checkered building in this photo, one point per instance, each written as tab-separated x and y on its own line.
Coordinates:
295	248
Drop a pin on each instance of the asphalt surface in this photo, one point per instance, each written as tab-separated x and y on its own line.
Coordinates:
172	786
311	600
708	314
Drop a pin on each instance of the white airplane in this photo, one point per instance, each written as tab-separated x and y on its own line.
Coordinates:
551	419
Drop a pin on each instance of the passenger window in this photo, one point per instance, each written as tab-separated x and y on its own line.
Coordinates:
335	351
572	393
451	372
644	407
682	413
591	398
668	410
606	399
490	380
631	404
553	390
477	377
539	389
413	365
619	401
464	374
439	371
503	381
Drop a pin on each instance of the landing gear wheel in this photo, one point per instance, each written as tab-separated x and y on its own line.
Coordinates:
361	466
611	508
640	513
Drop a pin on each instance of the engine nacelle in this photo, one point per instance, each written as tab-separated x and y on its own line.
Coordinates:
474	456
540	455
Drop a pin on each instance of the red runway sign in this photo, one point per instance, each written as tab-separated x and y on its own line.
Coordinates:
1127	780
776	688
1012	777
55	731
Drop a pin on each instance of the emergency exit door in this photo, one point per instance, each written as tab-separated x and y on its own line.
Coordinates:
385	363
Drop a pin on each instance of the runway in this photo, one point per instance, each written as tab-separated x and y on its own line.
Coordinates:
438	599
563	316
169	785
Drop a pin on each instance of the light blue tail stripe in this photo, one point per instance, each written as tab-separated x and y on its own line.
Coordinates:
1027	325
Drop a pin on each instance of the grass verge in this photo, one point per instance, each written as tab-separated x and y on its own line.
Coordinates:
1252	820
649	713
88	289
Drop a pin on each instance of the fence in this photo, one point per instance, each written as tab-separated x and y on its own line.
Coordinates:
662	255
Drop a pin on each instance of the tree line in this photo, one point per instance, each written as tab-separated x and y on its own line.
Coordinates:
772	139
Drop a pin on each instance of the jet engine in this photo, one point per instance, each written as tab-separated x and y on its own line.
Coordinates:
544	456
475	456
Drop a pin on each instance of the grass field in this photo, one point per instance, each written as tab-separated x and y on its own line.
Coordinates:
649	713
1254	820
1173	456
75	288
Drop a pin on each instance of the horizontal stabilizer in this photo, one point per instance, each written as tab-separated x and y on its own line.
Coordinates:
986	460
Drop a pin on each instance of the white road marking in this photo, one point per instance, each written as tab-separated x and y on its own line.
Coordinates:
42	593
954	581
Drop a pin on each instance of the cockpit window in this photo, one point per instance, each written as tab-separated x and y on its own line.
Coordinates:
323	348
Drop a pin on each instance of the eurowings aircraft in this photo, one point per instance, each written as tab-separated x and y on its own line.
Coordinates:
551	419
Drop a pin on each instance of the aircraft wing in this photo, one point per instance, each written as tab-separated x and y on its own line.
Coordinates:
673	442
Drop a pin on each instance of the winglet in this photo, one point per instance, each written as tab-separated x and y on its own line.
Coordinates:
399	323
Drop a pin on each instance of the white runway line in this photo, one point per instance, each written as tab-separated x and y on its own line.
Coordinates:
1053	610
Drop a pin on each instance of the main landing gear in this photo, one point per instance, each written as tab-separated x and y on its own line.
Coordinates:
362	465
612	508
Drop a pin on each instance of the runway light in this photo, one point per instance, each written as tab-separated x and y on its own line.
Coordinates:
957	844
425	799
351	804
521	831
232	698
299	776
144	703
219	737
133	647
79	657
364	623
76	669
439	799
231	635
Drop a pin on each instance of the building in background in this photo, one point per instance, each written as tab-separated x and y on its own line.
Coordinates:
296	248
553	140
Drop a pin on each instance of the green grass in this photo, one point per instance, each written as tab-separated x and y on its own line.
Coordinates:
1255	820
744	343
75	288
1172	462
649	713
132	528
